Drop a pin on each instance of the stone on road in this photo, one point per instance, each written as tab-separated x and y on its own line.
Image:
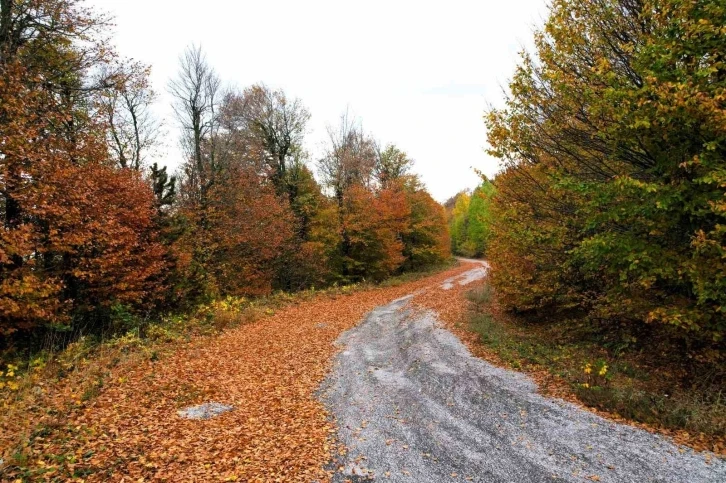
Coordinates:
413	405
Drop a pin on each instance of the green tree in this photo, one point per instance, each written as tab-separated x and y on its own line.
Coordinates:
459	223
614	138
478	230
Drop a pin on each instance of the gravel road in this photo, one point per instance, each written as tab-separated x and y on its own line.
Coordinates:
413	405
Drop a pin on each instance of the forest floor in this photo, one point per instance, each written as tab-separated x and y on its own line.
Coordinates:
126	426
285	426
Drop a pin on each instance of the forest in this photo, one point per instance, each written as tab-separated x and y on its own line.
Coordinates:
593	260
97	238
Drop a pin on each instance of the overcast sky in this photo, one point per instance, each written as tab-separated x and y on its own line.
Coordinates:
418	74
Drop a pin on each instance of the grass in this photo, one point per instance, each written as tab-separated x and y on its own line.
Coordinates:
639	383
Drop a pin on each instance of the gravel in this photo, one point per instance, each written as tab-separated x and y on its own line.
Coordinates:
467	277
413	405
204	411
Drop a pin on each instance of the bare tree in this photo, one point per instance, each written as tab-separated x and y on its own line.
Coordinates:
268	129
350	158
132	130
197	93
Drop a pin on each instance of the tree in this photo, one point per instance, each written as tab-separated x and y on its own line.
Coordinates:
350	158
373	224
197	93
132	130
478	230
391	164
426	238
459	223
348	165
615	137
278	124
164	188
78	235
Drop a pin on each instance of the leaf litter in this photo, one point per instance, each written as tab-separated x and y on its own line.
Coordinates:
268	371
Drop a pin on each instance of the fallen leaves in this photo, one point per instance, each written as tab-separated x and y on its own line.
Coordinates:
268	370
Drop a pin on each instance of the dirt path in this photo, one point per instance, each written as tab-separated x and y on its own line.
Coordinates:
407	396
412	405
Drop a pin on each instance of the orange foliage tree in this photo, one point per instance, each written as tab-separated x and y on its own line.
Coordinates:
78	234
386	221
233	244
426	238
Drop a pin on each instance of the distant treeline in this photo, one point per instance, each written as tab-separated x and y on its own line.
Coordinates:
94	231
470	220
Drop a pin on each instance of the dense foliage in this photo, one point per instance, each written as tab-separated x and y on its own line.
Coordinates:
613	194
470	221
92	231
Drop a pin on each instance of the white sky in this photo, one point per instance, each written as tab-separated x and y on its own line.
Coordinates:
419	74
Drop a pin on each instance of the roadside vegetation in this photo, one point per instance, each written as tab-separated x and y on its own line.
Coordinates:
612	196
470	221
608	244
100	242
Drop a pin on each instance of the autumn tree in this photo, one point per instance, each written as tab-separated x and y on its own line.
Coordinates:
278	124
372	223
391	165
197	93
470	221
347	172
380	220
236	228
426	235
613	137
459	221
133	133
350	157
422	230
78	234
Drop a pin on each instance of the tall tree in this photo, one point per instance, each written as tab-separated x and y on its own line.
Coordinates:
426	237
350	158
197	94
278	124
391	165
132	130
347	165
614	141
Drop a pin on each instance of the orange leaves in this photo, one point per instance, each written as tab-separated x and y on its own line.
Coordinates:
79	234
237	238
426	238
269	370
397	227
371	224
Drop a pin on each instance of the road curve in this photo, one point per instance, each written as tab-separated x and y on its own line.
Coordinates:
413	405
